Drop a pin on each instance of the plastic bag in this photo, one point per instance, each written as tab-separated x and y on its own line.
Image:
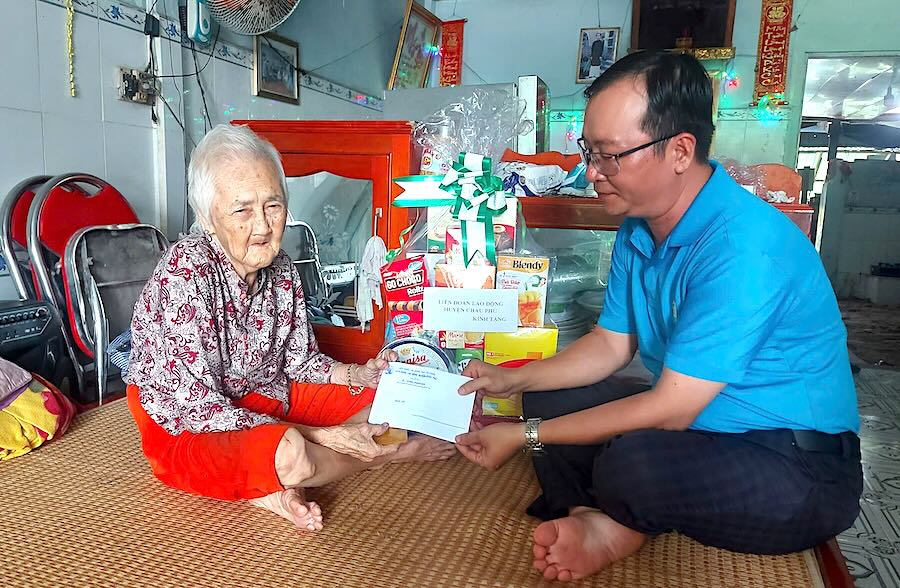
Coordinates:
484	122
748	176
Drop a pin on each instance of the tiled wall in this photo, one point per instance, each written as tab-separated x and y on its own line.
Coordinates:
861	223
44	130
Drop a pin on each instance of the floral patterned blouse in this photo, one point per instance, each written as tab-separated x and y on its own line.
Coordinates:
200	339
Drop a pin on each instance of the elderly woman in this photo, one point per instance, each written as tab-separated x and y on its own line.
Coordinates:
230	393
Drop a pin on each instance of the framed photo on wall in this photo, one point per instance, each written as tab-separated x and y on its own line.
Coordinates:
276	61
418	37
596	52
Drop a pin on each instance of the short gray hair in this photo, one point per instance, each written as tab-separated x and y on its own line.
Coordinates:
222	145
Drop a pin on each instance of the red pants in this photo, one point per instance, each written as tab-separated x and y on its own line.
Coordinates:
240	465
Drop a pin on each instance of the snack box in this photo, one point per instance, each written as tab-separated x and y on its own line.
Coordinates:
449	233
479	277
461	340
438	219
405	279
512	350
464	356
504	240
528	275
502	407
404	283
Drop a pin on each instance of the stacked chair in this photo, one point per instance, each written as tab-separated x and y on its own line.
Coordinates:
81	247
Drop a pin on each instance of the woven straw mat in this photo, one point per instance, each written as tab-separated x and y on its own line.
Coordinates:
86	511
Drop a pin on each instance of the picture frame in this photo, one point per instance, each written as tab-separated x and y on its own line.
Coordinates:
597	50
704	29
276	65
412	61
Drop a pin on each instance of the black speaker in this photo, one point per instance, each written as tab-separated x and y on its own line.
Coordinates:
31	337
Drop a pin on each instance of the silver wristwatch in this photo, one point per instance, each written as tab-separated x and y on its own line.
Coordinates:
533	443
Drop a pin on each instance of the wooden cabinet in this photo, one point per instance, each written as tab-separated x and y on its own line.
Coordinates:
560	212
374	151
377	151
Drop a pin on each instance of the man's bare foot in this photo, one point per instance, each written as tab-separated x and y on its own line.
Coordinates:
292	505
424	448
582	544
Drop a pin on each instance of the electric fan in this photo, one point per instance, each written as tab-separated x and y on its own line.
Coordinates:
251	17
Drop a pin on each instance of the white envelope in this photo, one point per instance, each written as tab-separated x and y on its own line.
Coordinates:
423	400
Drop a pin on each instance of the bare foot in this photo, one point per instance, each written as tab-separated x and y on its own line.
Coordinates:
292	505
582	544
424	448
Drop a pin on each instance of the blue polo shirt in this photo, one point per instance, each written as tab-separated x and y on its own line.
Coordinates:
736	294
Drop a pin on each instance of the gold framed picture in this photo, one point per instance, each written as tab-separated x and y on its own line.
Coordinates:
701	25
416	47
276	63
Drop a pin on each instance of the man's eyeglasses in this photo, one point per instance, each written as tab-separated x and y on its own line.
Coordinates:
608	163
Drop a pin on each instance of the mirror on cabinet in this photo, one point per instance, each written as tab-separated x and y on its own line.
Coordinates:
330	223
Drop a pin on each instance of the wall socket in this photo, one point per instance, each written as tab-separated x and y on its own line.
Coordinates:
136	86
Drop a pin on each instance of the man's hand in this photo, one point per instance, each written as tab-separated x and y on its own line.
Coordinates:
492	446
490	379
355	440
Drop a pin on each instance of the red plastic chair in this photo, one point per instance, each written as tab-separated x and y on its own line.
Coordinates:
13	240
61	208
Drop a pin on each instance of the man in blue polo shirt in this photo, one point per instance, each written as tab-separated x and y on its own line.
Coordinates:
747	439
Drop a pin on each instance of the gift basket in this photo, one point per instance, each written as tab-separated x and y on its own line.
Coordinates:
468	234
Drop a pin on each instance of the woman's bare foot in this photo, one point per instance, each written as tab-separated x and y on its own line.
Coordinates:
582	544
424	448
292	505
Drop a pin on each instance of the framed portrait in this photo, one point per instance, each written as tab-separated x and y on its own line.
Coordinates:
276	61
699	24
418	37
596	52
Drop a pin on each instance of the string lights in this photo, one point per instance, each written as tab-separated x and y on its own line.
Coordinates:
769	106
571	129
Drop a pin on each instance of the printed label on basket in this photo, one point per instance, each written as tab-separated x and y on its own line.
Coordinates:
458	309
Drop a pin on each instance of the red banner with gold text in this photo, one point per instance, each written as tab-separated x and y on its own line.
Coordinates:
772	53
452	52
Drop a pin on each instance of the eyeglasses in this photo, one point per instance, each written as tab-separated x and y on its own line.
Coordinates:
608	163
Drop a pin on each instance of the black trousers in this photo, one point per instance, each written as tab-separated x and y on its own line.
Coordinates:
755	492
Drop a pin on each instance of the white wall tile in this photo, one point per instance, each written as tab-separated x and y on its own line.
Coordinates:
169	56
764	142
19	47
21	146
130	167
176	185
73	145
232	97
193	99
316	106
121	47
850	257
54	64
266	108
871	253
729	139
856	227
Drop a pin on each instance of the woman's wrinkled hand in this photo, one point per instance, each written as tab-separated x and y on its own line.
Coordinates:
355	440
368	375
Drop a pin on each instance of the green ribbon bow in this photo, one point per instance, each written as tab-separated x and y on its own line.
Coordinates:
474	195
